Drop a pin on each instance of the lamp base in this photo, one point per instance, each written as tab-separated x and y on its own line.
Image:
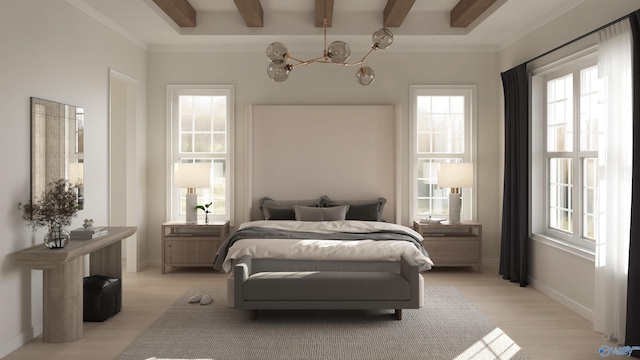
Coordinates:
191	211
454	208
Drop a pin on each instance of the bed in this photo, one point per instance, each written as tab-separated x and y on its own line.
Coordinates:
325	236
348	152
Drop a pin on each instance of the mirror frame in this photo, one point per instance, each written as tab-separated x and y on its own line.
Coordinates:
57	146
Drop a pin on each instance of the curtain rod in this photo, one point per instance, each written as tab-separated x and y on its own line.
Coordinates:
579	38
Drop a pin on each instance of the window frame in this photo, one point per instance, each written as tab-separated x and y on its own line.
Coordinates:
541	156
173	154
469	207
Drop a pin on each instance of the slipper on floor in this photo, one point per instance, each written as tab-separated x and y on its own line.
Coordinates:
206	300
195	298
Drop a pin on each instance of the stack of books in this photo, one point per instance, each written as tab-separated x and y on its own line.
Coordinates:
430	220
86	234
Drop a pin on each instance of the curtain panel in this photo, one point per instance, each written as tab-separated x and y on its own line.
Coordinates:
515	204
614	180
633	286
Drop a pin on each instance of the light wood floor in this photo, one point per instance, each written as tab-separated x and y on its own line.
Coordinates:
539	325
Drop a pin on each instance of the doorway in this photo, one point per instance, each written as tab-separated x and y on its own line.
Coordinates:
123	161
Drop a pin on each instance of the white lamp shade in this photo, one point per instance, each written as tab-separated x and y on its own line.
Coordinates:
192	175
455	175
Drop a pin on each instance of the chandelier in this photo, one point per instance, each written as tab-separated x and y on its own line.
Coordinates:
337	53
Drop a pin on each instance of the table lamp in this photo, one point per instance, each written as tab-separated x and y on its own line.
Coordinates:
192	176
455	176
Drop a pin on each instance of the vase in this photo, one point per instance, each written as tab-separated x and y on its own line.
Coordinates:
56	238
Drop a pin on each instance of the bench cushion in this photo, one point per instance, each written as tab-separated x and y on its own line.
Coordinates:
326	286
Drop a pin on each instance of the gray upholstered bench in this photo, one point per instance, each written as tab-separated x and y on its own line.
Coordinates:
327	289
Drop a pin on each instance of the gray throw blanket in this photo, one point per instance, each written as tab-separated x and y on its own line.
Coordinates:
255	232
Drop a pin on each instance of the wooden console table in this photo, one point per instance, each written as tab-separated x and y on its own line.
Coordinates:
63	270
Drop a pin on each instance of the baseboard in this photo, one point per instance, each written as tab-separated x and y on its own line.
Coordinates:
152	262
571	304
19	340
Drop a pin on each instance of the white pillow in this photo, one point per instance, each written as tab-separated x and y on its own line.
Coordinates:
305	213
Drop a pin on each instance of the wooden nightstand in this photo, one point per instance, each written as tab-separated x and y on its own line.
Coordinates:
453	244
192	244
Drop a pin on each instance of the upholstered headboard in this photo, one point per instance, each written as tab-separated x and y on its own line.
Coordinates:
306	151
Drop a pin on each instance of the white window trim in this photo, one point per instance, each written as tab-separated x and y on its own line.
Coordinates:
226	90
469	91
539	196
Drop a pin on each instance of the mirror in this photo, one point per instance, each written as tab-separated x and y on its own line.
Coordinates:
57	146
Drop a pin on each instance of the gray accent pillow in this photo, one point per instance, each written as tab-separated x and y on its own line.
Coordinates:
283	210
365	210
278	213
305	213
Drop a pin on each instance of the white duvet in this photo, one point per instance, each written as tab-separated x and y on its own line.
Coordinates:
335	250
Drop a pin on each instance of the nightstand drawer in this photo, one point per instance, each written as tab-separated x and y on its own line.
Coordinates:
190	252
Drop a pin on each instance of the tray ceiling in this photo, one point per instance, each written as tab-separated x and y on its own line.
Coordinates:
250	25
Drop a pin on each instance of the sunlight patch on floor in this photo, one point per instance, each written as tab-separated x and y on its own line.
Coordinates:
495	345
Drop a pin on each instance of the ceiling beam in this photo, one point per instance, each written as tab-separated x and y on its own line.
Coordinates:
321	6
251	12
396	11
180	11
466	11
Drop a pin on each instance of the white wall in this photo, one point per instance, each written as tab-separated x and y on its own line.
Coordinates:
50	50
563	275
319	85
334	157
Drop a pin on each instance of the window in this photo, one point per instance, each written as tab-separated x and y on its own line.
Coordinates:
442	130
567	115
200	123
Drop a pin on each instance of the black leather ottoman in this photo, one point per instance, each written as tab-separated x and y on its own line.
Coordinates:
102	297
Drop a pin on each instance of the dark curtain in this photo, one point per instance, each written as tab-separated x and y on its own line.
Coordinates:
515	204
632	336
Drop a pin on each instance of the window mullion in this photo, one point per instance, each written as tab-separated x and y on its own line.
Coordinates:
577	163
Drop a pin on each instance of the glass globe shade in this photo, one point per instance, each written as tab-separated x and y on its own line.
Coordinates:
365	75
276	51
278	70
338	51
382	38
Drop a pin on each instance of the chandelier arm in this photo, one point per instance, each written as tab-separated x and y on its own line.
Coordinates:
324	24
373	48
313	61
304	62
320	61
358	63
323	60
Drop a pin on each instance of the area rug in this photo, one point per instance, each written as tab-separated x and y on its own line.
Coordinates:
448	327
